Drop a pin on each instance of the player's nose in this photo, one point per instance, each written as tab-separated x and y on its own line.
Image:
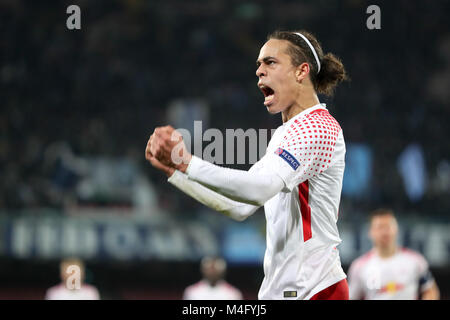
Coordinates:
260	71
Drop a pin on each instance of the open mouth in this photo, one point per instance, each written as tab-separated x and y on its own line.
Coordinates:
268	93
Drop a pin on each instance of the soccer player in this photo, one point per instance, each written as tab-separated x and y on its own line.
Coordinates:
298	180
62	291
389	272
213	285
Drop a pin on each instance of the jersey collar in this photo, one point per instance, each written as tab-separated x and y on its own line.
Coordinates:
305	112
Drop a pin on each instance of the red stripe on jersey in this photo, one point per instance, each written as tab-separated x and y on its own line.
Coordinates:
305	209
338	291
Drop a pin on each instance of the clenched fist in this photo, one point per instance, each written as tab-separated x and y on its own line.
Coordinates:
166	150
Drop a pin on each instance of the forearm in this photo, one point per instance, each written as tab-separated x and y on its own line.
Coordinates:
243	186
234	209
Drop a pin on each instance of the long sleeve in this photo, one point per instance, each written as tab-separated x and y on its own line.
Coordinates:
236	210
252	187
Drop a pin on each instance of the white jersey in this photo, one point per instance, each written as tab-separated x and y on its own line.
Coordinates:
60	292
399	277
202	290
301	259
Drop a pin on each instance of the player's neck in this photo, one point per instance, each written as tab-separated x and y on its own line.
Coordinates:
305	101
386	252
213	283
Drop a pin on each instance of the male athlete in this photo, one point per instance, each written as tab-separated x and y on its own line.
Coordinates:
213	285
69	291
298	181
388	272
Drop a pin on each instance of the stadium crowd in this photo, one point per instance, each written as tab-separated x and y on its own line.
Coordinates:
70	96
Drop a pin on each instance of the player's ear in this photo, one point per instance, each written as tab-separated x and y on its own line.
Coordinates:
302	71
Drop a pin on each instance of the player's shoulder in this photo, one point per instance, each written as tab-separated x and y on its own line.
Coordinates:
195	291
229	286
53	292
89	287
56	287
195	286
411	254
233	291
324	119
321	116
317	124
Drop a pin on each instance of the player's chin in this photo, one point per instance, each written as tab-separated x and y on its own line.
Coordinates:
272	108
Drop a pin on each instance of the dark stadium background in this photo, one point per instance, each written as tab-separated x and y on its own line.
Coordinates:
77	108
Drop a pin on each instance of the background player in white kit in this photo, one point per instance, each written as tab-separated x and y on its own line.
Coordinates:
62	292
389	272
213	285
299	179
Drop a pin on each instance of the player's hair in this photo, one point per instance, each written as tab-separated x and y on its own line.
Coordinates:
331	72
73	260
381	212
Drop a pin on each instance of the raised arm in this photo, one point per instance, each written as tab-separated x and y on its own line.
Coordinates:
282	170
236	210
250	187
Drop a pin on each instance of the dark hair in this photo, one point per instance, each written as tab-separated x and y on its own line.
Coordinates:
381	212
332	70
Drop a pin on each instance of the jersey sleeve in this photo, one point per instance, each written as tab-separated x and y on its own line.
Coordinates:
236	210
426	279
307	148
253	187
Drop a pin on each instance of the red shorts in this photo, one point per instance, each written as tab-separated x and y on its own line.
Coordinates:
338	291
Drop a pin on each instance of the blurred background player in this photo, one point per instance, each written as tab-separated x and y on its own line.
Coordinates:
63	292
213	285
390	272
